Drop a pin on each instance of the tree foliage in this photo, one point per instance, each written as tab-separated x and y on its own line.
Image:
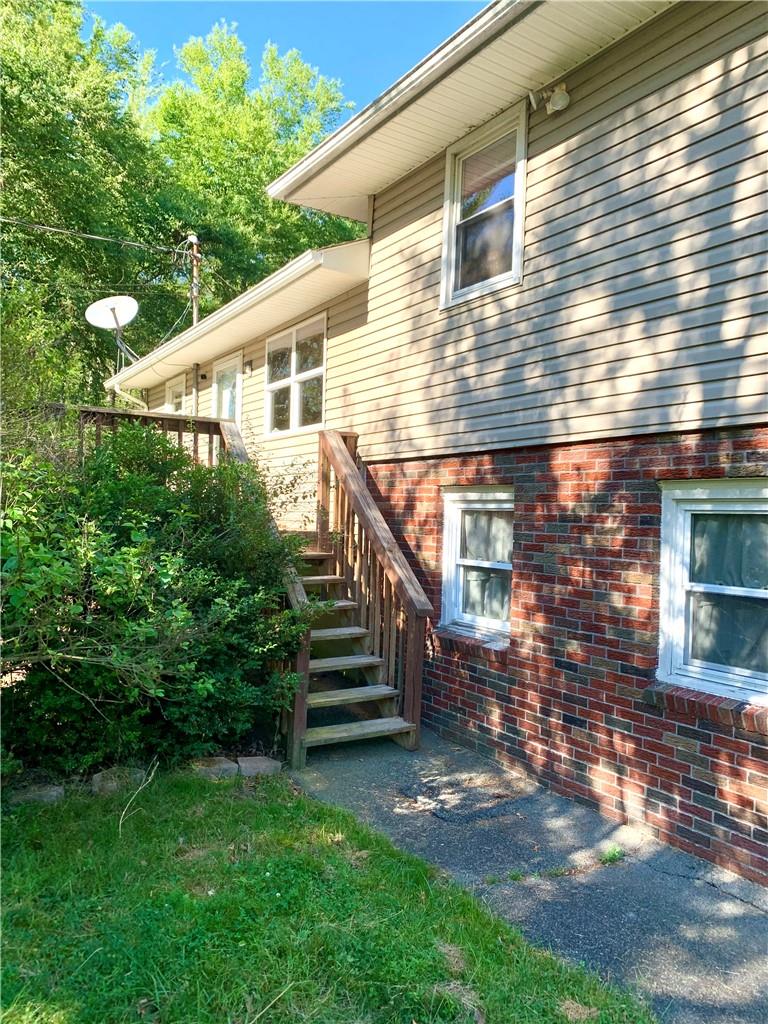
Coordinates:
95	142
142	604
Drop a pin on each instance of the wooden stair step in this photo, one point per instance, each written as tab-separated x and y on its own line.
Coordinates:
352	695
323	734
309	580
344	605
346	661
340	633
316	556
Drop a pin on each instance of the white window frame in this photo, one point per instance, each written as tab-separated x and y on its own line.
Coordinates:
293	380
680	499
170	386
232	361
455	501
516	118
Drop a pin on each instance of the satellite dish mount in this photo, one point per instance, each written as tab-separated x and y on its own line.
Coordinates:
113	314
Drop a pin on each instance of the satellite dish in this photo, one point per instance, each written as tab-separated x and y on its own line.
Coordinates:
112	313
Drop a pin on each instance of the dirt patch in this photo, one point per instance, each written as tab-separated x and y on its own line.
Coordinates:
454	957
575	1012
465	996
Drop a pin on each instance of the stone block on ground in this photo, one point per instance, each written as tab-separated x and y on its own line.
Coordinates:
37	795
214	768
112	780
253	766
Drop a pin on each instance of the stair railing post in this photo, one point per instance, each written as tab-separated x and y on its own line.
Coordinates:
297	719
323	495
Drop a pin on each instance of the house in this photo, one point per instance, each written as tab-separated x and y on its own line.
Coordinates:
551	347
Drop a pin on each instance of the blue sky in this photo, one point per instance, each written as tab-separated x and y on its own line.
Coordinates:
366	43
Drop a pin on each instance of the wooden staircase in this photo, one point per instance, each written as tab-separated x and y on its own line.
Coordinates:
344	672
364	655
360	664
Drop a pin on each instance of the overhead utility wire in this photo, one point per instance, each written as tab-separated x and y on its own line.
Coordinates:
83	234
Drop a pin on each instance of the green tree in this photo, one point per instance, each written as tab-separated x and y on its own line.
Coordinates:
224	143
95	143
74	156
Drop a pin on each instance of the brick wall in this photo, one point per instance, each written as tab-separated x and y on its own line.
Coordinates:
573	697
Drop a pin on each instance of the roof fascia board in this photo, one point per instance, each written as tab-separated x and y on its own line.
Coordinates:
297	268
459	47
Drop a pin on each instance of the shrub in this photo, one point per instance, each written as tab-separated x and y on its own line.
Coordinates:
142	604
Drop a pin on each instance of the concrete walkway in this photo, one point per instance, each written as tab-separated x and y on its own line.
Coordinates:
692	939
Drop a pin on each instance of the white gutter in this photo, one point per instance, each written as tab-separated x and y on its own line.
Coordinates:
275	282
456	49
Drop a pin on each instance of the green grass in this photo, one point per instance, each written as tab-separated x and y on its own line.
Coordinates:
234	904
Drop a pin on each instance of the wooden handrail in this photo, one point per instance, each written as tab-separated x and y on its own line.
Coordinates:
391	606
399	573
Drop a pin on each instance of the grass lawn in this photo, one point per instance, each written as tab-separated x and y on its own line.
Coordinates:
231	903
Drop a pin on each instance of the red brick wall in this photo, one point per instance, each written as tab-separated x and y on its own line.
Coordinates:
572	697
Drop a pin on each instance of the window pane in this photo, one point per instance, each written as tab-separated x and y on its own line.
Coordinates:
279	360
488	177
281	409
485	592
310	341
484	246
730	549
486	536
731	631
226	383
311	401
309	353
177	400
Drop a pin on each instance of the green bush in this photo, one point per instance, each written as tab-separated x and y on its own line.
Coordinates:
143	605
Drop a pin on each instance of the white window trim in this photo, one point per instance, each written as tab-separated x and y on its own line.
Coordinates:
454	502
293	379
175	382
515	118
228	363
679	500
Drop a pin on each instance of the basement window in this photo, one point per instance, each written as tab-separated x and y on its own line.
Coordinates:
295	379
477	560
714	587
483	209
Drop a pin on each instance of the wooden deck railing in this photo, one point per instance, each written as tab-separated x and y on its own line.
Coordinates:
203	435
207	438
391	602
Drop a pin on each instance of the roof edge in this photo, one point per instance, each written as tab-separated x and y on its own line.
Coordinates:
485	25
296	269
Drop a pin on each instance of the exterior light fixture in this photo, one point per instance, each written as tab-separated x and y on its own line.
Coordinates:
557	99
248	367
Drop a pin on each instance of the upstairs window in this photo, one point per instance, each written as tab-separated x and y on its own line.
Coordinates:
714	587
294	379
483	216
477	560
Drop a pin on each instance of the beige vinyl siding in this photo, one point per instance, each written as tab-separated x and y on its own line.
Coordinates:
290	460
156	397
643	302
643	267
